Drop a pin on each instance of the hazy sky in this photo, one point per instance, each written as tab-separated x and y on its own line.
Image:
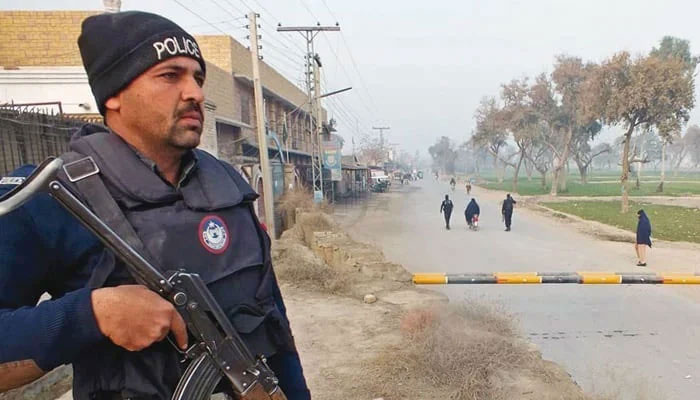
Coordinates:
424	65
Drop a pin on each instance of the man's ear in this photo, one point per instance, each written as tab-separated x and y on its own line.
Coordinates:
114	103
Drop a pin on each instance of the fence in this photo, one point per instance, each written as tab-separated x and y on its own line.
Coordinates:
29	135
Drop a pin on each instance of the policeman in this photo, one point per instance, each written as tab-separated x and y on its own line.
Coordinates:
507	210
188	209
446	209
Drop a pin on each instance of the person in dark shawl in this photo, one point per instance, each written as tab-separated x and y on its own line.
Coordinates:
471	211
643	238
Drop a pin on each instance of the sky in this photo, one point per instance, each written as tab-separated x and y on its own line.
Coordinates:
421	67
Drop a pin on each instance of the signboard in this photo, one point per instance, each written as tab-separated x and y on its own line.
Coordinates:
332	156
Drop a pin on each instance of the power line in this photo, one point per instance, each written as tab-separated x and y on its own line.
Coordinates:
347	75
226	21
200	17
352	58
234	7
303	3
281	52
223	8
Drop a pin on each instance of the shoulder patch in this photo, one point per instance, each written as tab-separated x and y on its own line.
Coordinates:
12	180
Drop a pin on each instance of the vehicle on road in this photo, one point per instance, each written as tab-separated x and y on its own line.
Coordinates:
379	176
474	223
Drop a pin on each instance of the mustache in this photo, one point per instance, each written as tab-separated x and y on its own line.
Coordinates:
189	107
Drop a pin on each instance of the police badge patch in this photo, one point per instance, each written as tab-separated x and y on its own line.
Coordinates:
213	234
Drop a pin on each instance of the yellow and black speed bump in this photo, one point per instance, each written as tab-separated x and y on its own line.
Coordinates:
585	278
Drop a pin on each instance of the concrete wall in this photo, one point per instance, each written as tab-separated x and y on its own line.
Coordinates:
69	85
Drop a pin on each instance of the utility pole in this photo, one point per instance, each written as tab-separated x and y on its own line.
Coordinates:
381	130
313	90
268	195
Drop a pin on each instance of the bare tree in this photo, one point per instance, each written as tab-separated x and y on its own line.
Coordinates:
372	150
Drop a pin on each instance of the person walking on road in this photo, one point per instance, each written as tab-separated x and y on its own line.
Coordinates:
472	211
468	186
446	210
453	183
507	210
643	238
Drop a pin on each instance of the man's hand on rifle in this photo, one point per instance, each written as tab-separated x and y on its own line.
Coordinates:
134	317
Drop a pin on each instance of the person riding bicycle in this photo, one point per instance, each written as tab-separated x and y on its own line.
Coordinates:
468	186
472	211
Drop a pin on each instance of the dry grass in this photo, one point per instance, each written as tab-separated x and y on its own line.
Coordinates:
298	265
458	348
299	199
465	352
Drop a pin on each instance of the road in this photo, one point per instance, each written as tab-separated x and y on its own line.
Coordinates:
637	342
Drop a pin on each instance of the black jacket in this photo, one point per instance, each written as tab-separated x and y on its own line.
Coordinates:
446	206
508	204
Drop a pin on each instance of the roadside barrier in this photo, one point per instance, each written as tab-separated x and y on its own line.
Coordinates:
583	278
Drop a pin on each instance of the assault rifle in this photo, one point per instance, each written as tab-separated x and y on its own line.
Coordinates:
216	352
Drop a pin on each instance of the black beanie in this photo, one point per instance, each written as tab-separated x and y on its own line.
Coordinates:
118	47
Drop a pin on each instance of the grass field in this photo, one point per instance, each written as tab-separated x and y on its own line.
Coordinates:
668	222
604	184
575	188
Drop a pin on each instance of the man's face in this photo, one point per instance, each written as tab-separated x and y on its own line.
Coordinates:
164	105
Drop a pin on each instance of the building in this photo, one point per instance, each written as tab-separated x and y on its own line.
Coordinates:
40	62
356	178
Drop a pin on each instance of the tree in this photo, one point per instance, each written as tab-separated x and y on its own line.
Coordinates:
444	155
539	155
672	47
678	149
372	150
646	148
490	133
520	119
575	120
584	155
643	93
692	143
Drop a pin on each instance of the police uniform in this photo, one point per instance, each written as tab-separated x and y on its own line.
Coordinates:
205	224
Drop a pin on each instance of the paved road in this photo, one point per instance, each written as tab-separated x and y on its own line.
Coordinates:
630	340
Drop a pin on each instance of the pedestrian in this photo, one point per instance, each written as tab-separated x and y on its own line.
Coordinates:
472	211
643	238
189	210
446	210
507	210
469	187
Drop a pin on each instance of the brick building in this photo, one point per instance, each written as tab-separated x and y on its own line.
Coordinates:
40	62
